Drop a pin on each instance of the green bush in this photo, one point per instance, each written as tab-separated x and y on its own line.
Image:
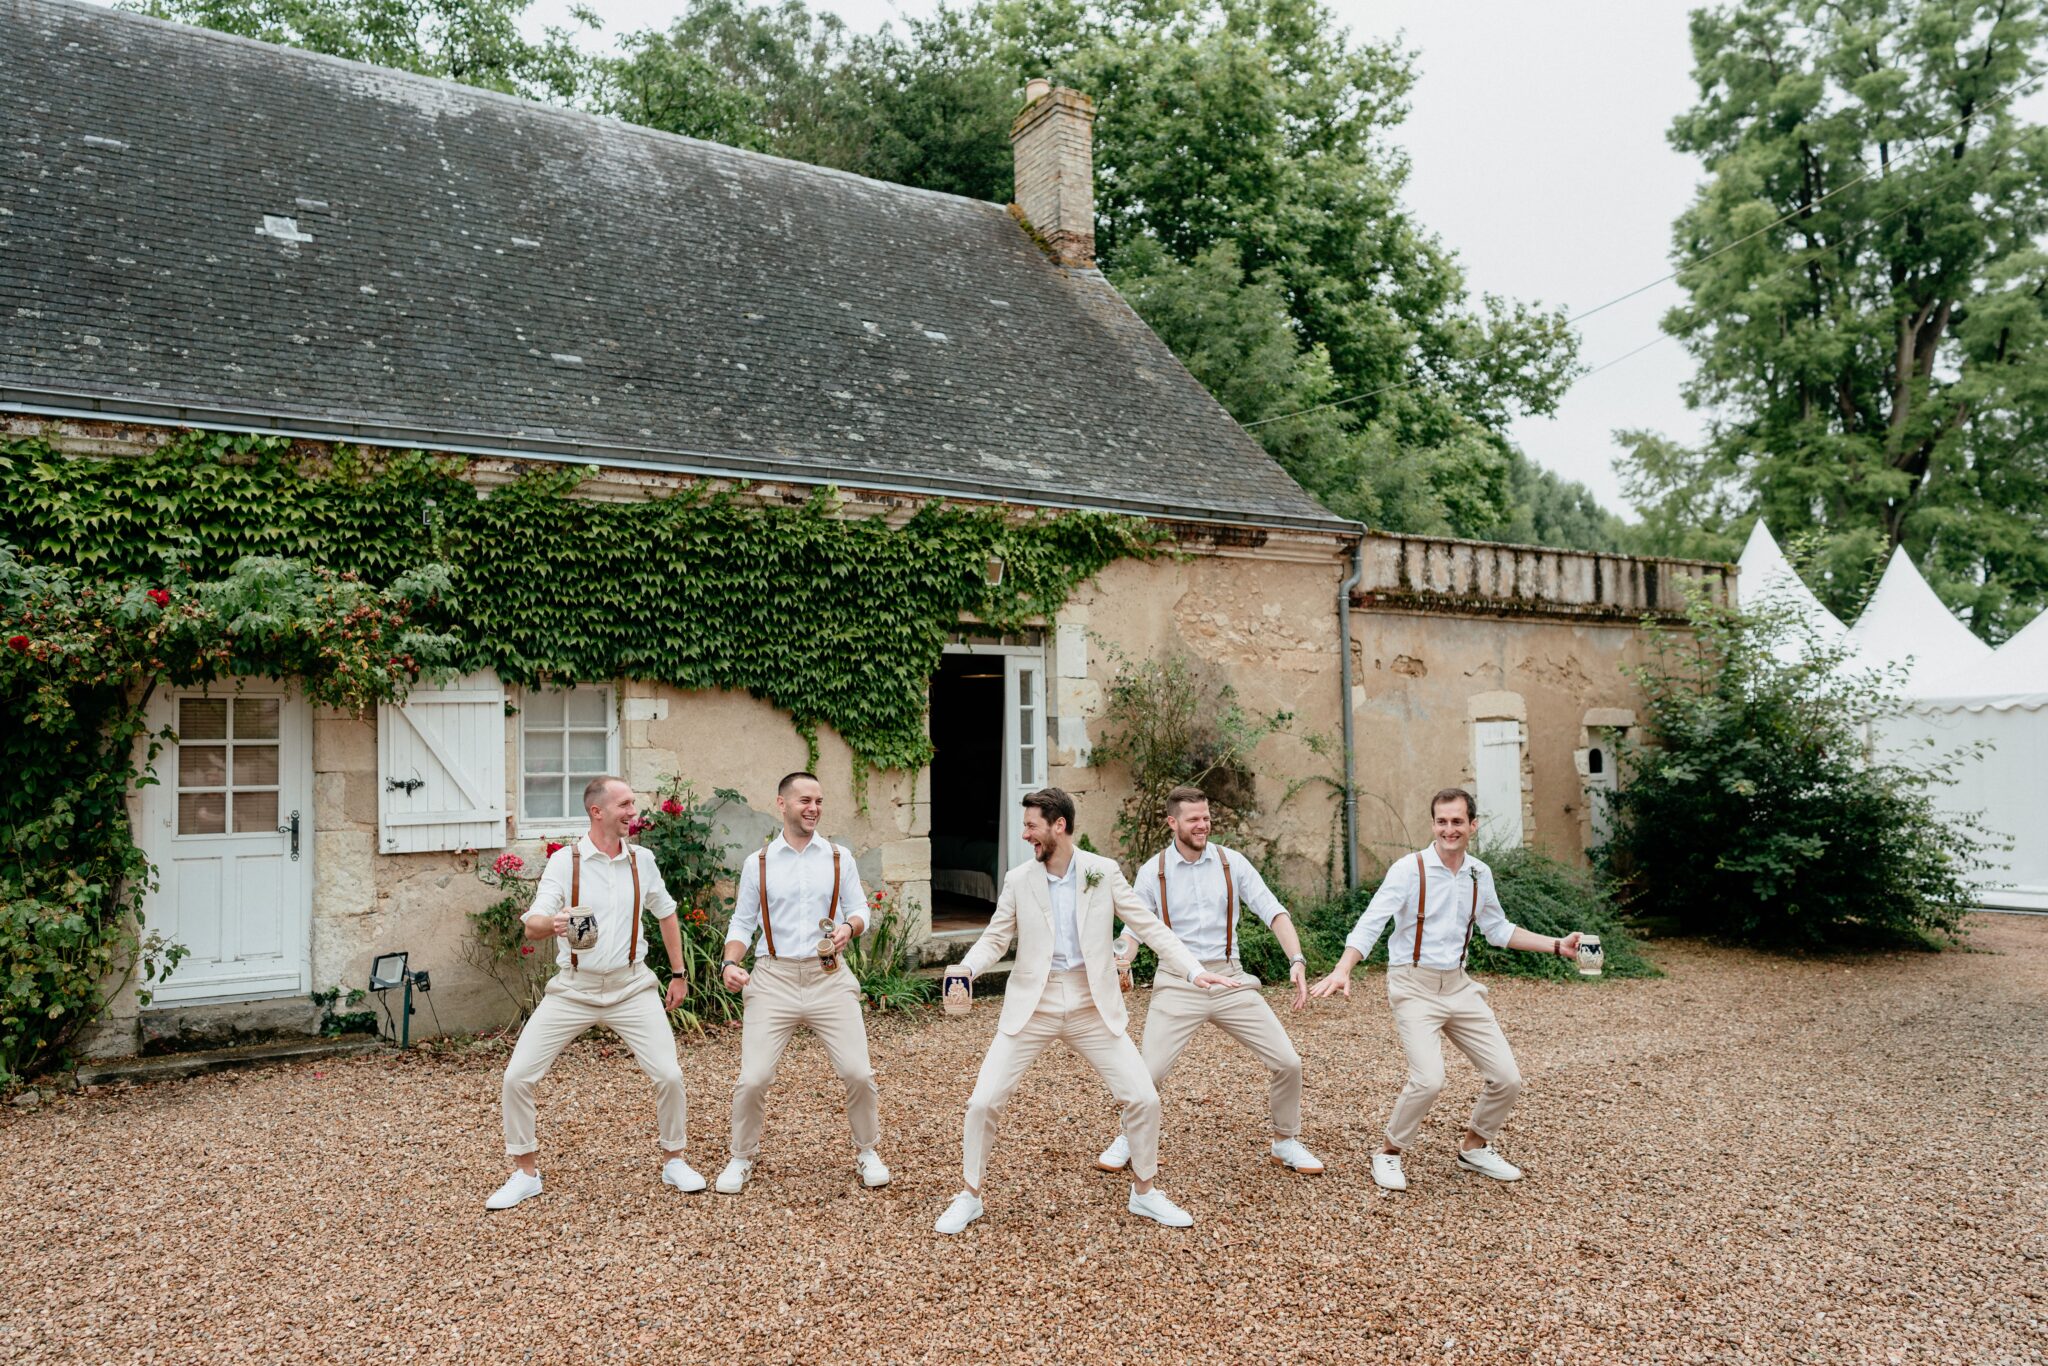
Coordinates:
685	844
1538	892
1758	813
81	652
884	959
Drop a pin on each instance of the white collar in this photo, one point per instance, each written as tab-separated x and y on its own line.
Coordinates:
1186	862
817	839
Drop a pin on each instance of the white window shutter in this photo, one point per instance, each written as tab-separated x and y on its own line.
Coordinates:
441	768
1497	782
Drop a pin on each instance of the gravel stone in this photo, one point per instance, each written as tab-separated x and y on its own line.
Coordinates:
1752	1159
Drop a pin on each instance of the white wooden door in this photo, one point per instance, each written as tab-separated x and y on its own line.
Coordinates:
1023	747
1601	781
1497	782
229	827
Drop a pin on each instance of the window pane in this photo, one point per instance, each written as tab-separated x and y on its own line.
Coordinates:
255	766
544	798
202	813
255	718
202	718
542	709
587	708
543	752
575	785
587	750
255	813
202	766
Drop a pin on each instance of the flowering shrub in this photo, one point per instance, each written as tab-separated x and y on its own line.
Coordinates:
497	944
883	958
84	656
685	844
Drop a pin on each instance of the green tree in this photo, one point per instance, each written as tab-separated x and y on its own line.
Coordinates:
1868	294
475	42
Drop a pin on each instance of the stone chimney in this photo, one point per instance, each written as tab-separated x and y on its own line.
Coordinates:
1053	139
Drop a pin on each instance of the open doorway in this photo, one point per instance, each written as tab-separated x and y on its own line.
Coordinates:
988	737
967	815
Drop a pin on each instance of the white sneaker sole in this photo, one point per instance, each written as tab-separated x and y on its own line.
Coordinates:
1155	1219
876	1185
1289	1166
687	1190
530	1195
1465	1166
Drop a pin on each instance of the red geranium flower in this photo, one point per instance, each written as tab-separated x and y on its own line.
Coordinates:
508	864
160	596
672	807
17	642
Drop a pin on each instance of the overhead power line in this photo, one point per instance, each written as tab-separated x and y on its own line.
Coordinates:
1669	276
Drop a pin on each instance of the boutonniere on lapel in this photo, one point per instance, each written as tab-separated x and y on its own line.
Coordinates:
1091	879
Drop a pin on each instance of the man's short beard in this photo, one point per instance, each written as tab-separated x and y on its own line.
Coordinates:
1042	852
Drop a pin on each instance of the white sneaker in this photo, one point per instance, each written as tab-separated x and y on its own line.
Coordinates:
1387	1173
1487	1162
873	1171
518	1186
1116	1156
1160	1210
1289	1153
733	1179
964	1210
676	1172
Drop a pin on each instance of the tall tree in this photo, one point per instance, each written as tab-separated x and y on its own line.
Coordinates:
1868	294
476	42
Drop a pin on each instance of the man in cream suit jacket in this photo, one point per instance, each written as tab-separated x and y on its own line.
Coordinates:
1058	909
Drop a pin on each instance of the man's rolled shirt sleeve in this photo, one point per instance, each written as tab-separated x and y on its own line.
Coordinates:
1493	917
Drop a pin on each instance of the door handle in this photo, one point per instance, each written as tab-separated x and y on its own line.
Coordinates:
293	831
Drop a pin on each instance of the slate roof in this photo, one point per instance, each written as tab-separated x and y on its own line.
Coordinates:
202	228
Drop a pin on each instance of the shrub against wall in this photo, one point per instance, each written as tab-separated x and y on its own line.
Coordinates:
82	654
1757	812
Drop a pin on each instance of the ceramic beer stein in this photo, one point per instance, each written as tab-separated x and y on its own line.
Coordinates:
826	954
582	934
1590	955
959	993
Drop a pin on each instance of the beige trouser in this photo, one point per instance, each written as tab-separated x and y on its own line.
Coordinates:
1066	1012
628	1000
782	994
1179	1008
1428	1002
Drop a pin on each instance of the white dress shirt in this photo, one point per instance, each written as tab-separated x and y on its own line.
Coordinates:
799	894
1444	918
1064	894
607	893
1195	895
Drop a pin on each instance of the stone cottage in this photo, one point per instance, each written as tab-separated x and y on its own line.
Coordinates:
202	231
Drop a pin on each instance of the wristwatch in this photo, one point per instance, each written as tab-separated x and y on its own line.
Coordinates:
1297	958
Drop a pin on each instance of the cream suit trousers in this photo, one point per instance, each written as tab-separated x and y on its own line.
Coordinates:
628	1001
1429	1003
1068	1013
782	994
1179	1008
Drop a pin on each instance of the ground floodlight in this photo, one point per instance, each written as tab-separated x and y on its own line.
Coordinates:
387	970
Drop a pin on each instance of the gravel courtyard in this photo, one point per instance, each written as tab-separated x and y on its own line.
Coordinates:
1750	1159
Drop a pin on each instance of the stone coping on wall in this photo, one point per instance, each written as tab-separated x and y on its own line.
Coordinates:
1441	575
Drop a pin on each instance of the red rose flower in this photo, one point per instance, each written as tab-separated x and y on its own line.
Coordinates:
17	642
508	864
160	596
672	807
554	845
525	949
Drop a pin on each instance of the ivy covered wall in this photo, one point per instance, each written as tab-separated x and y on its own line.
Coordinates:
832	619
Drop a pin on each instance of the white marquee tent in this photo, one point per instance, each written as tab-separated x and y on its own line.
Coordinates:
1958	692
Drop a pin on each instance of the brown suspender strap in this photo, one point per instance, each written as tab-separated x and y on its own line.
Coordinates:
633	944
575	885
1229	908
1229	902
832	911
1421	903
1470	920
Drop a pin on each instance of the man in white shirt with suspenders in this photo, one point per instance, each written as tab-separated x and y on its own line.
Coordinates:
1197	887
788	893
608	983
1435	899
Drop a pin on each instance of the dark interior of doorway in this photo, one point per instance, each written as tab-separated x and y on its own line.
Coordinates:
967	780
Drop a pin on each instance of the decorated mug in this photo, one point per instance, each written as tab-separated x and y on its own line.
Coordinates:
827	955
582	934
1591	956
958	995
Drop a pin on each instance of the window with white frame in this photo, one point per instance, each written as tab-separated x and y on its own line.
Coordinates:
565	739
